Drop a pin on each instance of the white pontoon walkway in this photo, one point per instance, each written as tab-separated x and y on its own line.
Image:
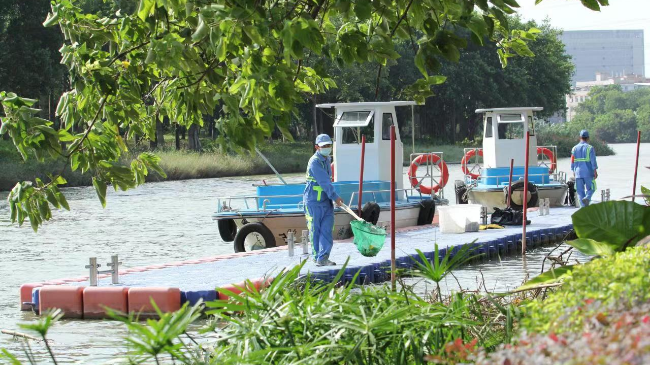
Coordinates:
210	273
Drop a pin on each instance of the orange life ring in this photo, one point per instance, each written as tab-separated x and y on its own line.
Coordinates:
436	160
465	160
548	153
332	169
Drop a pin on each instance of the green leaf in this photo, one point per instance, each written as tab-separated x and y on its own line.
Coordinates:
145	8
591	247
550	277
619	224
645	191
363	9
591	4
52	19
201	30
100	188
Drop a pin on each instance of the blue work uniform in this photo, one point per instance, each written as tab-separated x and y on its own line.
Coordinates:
583	165
319	209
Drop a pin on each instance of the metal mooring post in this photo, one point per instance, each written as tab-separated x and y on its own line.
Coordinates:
305	242
290	242
115	269
93	265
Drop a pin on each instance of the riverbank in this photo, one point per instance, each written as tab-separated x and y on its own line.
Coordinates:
287	157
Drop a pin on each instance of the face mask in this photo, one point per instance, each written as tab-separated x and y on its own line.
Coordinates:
325	151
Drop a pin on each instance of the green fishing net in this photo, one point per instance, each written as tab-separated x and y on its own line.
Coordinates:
369	239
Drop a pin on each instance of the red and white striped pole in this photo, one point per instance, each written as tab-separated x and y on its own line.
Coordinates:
392	208
525	194
636	166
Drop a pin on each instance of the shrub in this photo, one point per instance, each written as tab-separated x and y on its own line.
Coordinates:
621	279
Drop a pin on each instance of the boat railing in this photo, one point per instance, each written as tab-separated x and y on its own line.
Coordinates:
432	171
546	157
502	180
251	202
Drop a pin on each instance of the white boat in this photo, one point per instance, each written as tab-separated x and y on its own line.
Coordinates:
504	132
263	220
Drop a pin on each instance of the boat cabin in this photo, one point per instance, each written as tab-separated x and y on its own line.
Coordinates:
504	138
372	120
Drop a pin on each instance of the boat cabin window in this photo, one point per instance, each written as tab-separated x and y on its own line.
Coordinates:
386	123
488	127
511	130
531	125
354	119
352	135
511	126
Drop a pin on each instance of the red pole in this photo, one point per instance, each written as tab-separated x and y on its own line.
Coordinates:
512	163
392	207
525	194
363	155
636	166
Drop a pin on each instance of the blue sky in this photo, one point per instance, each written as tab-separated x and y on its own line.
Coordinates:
572	15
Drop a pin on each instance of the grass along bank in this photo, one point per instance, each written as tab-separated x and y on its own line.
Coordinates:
287	157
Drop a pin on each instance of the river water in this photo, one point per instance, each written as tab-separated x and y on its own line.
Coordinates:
170	221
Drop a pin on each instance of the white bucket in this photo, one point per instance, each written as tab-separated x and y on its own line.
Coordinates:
459	218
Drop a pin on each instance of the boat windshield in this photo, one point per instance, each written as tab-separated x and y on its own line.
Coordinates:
511	130
353	134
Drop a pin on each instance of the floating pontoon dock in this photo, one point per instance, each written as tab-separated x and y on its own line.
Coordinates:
170	285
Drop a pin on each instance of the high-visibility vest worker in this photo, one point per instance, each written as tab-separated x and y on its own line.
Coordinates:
585	168
318	198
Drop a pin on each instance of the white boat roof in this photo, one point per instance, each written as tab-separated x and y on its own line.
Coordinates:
533	108
367	104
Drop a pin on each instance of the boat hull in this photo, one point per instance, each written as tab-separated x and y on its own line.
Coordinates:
279	225
495	198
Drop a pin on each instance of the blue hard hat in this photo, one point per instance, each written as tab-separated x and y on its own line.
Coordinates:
584	134
323	139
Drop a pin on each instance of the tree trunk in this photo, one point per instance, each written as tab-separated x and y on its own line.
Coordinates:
193	138
177	132
153	143
160	134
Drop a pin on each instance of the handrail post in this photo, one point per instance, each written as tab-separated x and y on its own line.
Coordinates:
93	265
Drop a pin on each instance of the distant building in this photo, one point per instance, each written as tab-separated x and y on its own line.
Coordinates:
581	90
614	52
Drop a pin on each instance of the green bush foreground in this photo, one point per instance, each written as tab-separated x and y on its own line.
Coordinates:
298	321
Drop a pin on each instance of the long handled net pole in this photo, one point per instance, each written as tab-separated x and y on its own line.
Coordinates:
363	155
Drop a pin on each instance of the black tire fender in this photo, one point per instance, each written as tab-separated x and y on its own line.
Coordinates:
240	238
370	212
227	229
427	212
519	185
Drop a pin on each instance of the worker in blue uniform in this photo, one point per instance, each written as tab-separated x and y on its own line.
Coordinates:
319	198
585	168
